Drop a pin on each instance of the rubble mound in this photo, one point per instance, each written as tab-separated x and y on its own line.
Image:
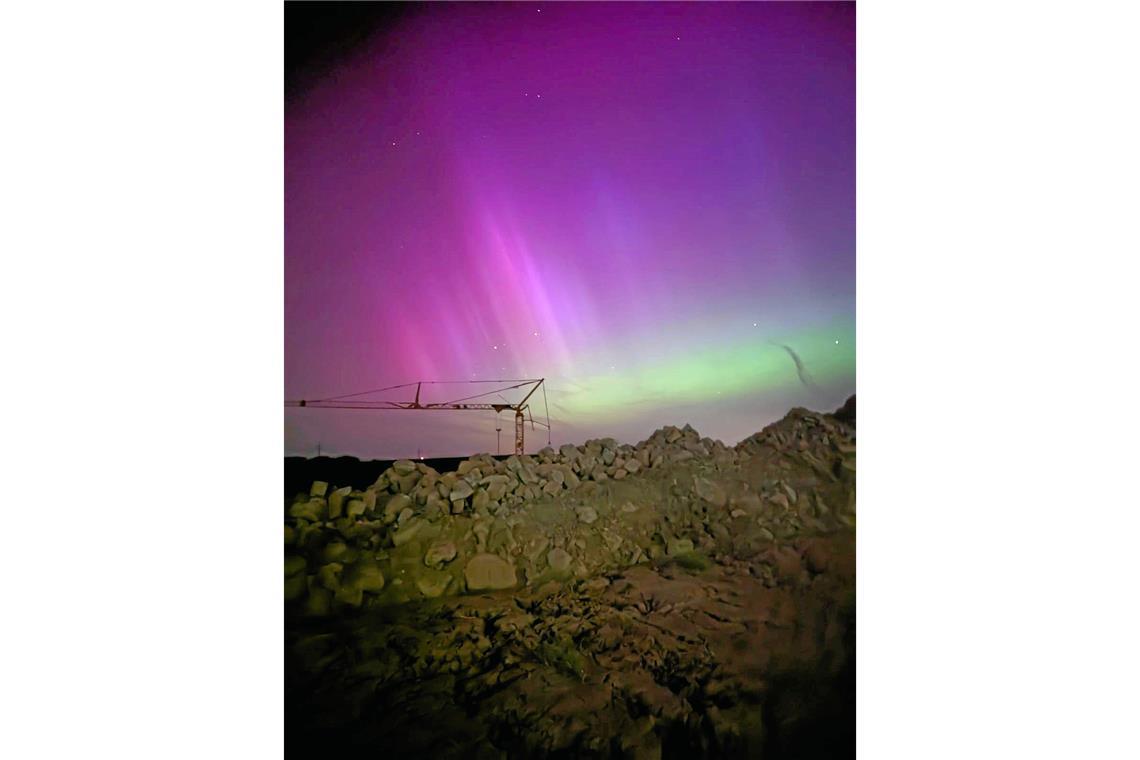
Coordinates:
677	597
601	505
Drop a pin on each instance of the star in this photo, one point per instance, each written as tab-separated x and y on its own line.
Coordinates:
837	343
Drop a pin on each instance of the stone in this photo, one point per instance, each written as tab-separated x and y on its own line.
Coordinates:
336	501
404	466
364	575
334	552
295	587
737	513
679	546
632	466
356	507
294	565
620	473
496	491
488	572
290	535
319	488
395	506
710	492
408	531
552	487
370	499
433	584
559	560
587	515
460	491
319	601
480	501
629	507
608	456
568	451
329	576
313	510
350	595
439	553
404	516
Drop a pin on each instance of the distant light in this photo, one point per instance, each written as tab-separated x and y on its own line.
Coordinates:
495	347
837	343
754	324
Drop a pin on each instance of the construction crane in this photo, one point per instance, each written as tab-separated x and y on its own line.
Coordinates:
465	404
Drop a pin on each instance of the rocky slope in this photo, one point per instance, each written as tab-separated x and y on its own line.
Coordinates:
673	598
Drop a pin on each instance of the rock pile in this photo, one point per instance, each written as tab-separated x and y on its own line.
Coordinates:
569	512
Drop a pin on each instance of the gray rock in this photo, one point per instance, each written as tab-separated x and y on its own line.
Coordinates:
356	507
461	491
395	506
496	491
433	584
408	531
559	560
404	467
587	515
336	502
710	492
439	554
319	488
488	572
313	509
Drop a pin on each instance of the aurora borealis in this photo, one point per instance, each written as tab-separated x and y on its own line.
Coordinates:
642	203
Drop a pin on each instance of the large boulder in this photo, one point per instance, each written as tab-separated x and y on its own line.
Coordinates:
488	572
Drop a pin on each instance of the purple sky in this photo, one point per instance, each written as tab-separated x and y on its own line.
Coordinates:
636	201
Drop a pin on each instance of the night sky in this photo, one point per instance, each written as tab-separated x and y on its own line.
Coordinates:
650	205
